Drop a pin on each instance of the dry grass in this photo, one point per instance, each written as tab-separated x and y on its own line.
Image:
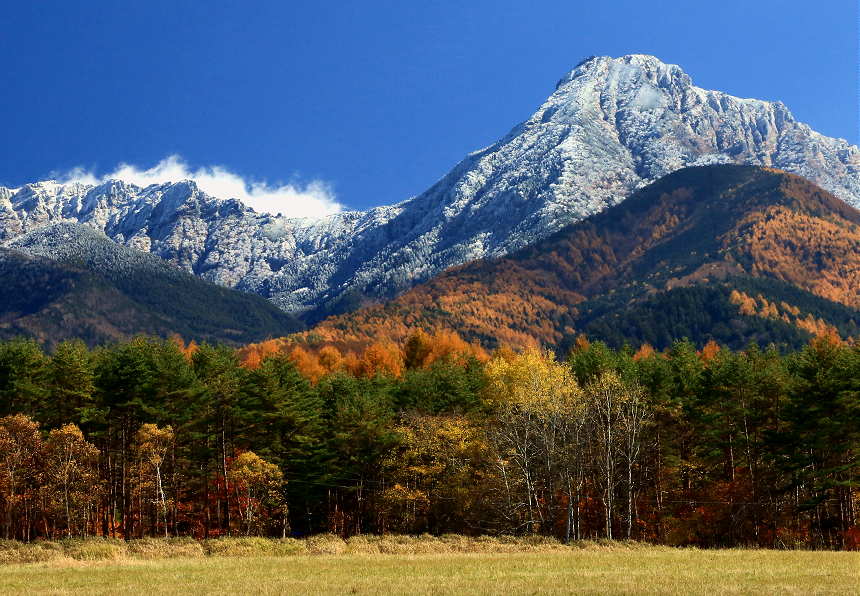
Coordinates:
423	565
97	549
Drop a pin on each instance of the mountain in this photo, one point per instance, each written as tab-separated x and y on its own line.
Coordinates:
724	252
611	126
71	281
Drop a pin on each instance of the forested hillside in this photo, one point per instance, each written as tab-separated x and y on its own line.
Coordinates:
729	253
711	447
70	281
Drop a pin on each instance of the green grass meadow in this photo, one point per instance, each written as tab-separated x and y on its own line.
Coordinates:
424	566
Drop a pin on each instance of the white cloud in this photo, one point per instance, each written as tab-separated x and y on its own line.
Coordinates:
314	199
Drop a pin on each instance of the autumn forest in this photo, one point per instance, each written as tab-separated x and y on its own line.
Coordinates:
688	445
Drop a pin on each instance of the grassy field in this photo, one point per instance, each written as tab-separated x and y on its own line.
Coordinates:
595	569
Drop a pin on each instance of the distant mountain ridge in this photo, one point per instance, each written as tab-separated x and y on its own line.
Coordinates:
611	126
723	252
70	281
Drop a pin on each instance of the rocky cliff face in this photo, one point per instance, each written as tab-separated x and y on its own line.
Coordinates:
612	125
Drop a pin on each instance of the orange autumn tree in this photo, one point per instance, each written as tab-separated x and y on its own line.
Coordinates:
449	345
644	352
318	356
252	355
380	358
188	349
330	359
307	363
709	351
422	349
20	448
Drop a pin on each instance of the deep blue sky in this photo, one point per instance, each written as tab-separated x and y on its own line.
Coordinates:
378	98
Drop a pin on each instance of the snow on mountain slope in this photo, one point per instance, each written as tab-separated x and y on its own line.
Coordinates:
69	280
611	126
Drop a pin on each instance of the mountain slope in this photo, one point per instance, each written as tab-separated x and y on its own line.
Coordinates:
69	280
611	126
734	253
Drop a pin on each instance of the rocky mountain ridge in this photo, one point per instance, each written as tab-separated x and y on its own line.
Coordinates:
611	126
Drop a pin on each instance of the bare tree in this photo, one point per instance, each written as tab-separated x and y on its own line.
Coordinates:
634	414
617	414
153	444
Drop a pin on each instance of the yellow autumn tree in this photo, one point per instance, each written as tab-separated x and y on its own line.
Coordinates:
540	414
258	484
70	479
531	380
434	474
417	349
152	445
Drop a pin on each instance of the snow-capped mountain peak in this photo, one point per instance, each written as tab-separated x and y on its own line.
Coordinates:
610	126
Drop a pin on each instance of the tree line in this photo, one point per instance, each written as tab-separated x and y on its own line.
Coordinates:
708	447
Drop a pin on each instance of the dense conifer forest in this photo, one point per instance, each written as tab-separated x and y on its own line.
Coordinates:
683	446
